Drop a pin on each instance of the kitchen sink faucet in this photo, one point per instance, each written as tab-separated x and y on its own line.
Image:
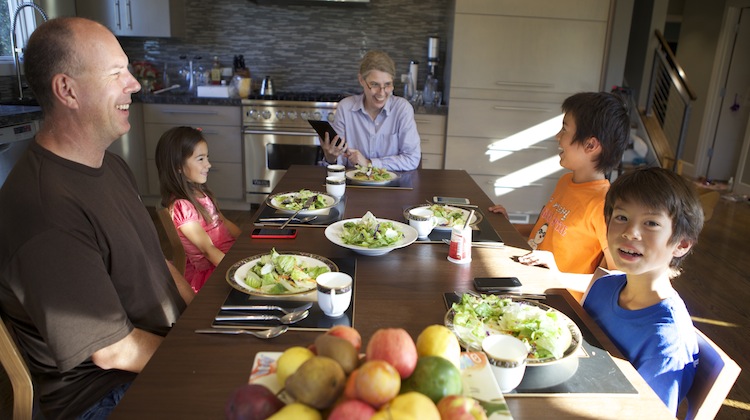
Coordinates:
17	50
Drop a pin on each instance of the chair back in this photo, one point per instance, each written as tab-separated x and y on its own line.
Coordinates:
714	377
178	252
18	373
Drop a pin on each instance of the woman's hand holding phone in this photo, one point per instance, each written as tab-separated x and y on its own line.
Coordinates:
333	147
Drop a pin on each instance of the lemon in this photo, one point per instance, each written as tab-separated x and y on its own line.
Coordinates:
290	360
387	413
416	405
438	340
296	411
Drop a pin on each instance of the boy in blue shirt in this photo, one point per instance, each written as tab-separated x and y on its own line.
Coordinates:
653	220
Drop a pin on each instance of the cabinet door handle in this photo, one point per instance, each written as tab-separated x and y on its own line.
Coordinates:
281	133
525	84
186	111
518	108
130	15
118	17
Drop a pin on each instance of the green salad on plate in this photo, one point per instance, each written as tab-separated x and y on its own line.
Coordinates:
277	274
370	233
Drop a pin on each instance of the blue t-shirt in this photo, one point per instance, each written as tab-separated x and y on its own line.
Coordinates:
659	341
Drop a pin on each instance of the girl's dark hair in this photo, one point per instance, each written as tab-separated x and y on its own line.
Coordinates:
175	146
661	189
604	116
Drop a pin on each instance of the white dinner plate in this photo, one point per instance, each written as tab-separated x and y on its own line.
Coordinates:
275	200
471	343
238	271
445	224
334	231
355	181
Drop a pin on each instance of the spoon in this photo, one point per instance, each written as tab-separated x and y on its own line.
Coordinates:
308	305
283	219
269	333
287	319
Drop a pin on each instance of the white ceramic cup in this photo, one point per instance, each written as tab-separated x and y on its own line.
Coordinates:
507	357
334	293
338	171
423	220
335	186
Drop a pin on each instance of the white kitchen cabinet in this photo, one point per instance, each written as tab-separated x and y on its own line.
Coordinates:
512	65
431	130
222	130
152	18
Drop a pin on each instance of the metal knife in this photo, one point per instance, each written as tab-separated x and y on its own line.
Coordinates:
305	206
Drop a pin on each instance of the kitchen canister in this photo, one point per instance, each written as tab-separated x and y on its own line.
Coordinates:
460	246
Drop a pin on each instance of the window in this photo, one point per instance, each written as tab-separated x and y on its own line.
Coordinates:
27	21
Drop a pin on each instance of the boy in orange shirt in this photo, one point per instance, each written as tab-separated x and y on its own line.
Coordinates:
570	234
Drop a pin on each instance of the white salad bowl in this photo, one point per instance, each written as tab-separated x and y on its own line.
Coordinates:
334	232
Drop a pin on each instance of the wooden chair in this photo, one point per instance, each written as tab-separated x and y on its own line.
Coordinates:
178	252
18	373
714	378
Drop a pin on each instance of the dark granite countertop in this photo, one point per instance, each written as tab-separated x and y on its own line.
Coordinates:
186	99
18	114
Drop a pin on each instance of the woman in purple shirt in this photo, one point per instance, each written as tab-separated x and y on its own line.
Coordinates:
377	128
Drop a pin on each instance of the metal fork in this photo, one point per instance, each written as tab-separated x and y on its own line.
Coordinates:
308	305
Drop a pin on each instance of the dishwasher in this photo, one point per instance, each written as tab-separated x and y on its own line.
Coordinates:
14	140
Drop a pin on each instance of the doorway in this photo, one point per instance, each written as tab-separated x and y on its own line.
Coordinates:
734	108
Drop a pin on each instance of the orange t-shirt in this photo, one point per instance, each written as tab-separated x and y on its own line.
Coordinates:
571	225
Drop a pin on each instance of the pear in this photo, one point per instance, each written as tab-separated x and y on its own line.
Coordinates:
318	382
338	349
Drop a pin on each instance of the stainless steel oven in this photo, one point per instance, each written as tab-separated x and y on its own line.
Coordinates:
276	135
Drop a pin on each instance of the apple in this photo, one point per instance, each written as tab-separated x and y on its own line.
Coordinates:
347	333
457	407
350	389
352	410
252	401
395	346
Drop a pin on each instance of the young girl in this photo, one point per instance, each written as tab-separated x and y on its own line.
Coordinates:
182	162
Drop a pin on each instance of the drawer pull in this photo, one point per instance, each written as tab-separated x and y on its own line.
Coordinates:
518	108
525	84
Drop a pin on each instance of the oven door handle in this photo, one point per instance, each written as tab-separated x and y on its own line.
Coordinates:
281	133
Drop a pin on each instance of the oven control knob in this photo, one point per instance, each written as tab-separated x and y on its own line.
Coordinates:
292	115
317	115
304	115
331	116
266	114
252	113
280	115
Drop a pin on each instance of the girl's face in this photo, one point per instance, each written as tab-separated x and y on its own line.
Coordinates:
195	168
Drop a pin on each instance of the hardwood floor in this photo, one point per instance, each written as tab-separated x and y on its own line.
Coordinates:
715	285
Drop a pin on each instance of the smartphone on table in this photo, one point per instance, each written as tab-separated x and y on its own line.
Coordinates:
497	284
274	234
450	200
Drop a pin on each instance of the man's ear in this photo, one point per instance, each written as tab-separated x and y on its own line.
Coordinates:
683	247
64	90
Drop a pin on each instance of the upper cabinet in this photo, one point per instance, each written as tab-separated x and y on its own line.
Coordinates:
148	18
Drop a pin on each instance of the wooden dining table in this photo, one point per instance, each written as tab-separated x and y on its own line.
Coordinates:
192	375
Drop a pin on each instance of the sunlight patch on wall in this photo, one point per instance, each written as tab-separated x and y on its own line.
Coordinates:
525	139
527	176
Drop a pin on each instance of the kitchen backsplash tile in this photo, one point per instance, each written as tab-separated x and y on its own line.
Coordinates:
314	47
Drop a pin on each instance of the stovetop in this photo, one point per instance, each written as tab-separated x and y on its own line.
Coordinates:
300	96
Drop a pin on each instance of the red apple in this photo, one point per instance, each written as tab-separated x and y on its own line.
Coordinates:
457	407
347	333
395	346
352	410
252	401
350	390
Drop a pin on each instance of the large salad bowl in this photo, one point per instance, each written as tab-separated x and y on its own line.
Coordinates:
335	231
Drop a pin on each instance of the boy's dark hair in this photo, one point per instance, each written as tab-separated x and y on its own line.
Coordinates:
661	189
175	146
604	116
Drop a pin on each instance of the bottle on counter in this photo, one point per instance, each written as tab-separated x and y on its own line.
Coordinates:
216	72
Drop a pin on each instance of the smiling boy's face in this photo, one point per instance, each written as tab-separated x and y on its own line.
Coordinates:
639	239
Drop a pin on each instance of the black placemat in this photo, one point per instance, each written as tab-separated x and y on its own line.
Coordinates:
316	321
334	214
481	232
593	373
